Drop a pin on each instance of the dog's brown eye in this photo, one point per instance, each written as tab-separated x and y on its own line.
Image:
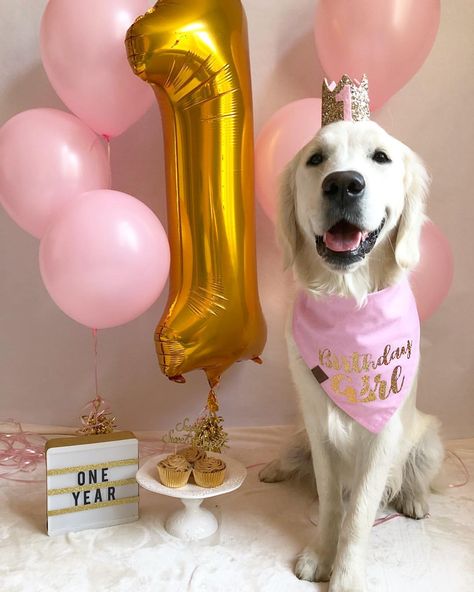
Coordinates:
315	159
381	157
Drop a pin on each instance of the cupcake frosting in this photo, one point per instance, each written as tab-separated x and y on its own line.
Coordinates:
175	462
192	454
209	464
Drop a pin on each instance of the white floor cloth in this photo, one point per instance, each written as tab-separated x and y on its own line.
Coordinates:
262	528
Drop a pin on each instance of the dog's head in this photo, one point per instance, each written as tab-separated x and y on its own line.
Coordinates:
352	205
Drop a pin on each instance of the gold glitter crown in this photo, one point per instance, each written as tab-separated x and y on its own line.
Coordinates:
348	100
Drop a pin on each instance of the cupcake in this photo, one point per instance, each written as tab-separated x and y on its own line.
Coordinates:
192	454
174	470
209	471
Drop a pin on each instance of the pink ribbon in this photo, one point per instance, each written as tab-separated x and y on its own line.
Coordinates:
20	454
150	447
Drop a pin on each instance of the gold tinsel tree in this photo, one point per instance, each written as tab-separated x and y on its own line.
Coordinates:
206	432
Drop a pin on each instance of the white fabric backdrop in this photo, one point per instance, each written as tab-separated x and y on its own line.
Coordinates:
46	371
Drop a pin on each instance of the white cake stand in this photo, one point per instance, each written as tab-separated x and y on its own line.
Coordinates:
192	522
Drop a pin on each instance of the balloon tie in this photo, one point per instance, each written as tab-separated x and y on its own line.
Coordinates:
97	418
212	403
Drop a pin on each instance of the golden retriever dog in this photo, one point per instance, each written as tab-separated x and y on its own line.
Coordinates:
350	215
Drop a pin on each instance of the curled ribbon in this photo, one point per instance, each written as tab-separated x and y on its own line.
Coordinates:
20	452
97	418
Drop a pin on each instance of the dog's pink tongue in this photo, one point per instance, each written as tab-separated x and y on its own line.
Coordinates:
342	240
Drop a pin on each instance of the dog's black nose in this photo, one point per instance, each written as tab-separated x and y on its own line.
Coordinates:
344	185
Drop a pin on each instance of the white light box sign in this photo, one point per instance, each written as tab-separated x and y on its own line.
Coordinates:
91	481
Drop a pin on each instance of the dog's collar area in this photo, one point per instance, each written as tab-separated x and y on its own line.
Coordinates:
363	243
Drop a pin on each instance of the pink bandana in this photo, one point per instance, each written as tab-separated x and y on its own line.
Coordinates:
364	358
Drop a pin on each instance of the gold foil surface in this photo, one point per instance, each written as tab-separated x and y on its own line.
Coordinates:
194	53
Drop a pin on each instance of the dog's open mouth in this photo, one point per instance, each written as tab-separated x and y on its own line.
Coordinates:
345	243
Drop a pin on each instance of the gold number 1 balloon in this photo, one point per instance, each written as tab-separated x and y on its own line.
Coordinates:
195	55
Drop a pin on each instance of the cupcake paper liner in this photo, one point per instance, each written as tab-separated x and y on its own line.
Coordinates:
204	479
173	478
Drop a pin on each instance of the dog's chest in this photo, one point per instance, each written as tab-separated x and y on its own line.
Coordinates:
321	416
342	432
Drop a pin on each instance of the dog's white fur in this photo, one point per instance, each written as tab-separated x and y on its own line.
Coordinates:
398	464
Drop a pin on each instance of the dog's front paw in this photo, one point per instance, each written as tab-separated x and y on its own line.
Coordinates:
313	566
272	472
411	506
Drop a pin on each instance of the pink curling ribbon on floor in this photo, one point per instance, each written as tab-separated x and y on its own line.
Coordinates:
20	452
464	468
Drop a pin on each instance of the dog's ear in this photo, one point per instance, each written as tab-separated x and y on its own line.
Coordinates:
288	233
416	182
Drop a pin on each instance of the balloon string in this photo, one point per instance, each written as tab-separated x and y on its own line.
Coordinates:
107	141
96	365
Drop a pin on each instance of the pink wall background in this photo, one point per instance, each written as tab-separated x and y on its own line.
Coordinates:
46	368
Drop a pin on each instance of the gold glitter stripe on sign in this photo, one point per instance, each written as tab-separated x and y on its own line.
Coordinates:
92	486
113	463
124	500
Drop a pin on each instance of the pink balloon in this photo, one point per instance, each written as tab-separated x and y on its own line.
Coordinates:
286	132
83	52
105	259
388	41
432	278
47	158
